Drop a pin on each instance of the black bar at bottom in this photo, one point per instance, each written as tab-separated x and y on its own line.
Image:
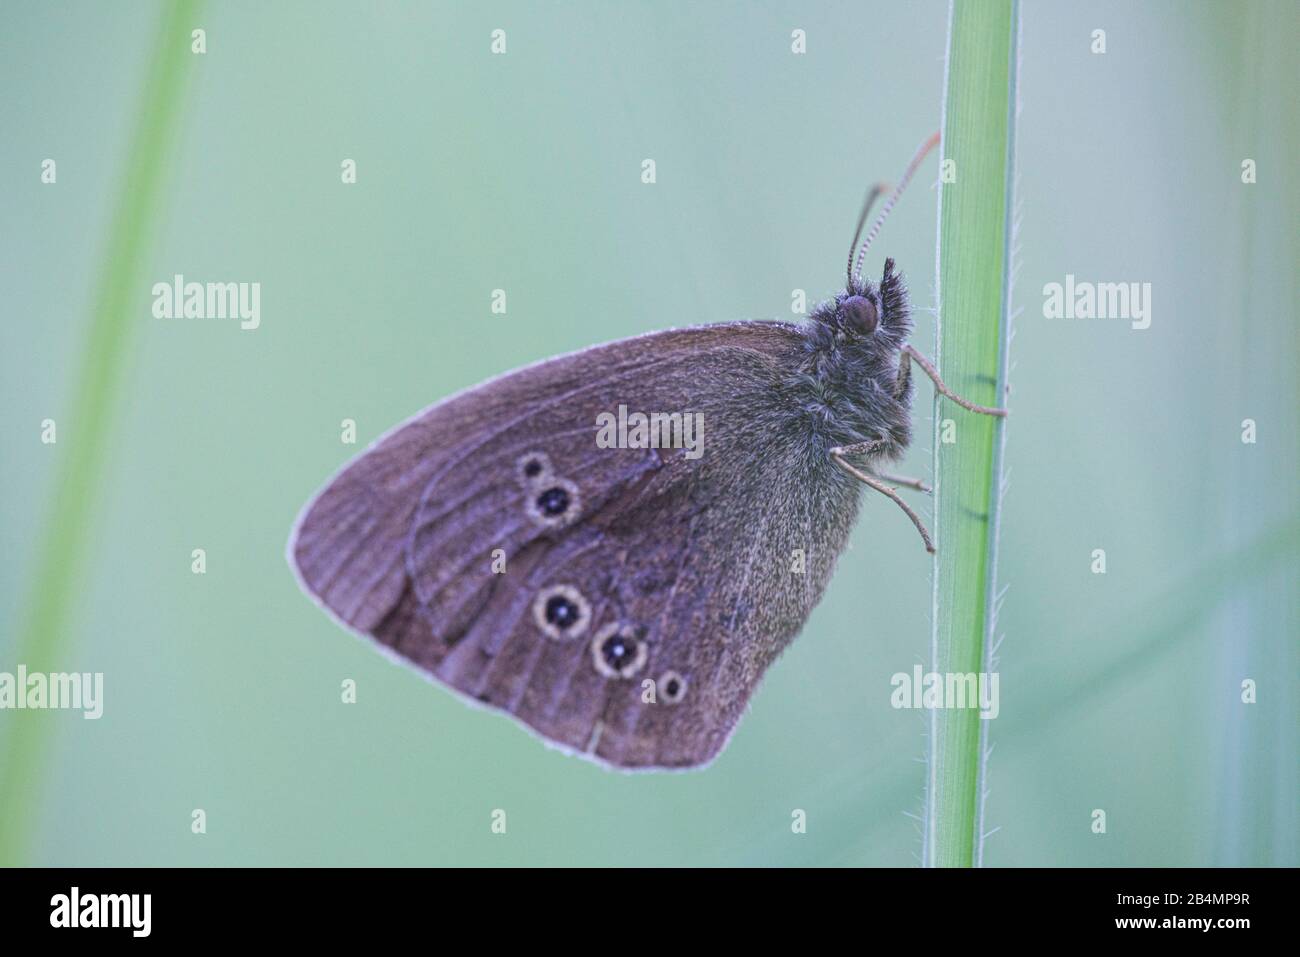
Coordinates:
369	905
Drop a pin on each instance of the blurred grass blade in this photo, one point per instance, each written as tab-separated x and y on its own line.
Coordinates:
975	223
1151	631
42	644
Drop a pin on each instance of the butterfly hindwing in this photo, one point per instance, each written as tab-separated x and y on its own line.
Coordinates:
440	544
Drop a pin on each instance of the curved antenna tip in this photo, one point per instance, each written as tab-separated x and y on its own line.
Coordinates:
855	270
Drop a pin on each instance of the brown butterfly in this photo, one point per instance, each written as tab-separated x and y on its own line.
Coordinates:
624	599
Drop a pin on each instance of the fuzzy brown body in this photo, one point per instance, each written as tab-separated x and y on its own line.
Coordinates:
692	573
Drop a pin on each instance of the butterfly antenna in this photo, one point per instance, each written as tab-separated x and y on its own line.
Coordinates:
856	272
872	196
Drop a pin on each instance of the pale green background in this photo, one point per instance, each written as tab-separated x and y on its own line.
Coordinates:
522	172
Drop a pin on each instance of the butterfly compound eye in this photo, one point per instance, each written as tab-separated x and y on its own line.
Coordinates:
860	314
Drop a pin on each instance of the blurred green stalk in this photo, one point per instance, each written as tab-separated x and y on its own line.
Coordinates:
57	583
975	224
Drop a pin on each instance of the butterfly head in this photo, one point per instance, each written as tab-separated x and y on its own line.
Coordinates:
853	343
869	318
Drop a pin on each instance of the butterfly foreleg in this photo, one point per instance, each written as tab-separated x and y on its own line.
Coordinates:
910	352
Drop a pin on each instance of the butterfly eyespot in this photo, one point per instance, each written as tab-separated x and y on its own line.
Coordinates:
561	612
618	652
532	467
554	502
672	687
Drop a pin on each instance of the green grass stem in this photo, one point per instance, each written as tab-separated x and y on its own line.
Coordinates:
973	288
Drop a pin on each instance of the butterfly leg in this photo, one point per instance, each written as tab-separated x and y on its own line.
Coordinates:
858	448
912	483
910	352
883	489
865	448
